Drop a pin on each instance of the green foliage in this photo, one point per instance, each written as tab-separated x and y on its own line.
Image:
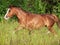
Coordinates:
34	6
56	8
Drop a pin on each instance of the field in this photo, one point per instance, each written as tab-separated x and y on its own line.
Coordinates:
22	37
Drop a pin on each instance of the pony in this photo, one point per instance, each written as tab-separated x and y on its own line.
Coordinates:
32	21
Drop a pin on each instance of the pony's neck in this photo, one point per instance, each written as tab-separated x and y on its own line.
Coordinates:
21	14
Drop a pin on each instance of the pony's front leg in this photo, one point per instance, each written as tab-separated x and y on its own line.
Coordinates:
18	28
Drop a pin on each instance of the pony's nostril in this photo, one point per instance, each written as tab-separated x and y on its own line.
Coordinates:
6	16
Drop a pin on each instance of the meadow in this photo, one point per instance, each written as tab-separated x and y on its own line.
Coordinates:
22	37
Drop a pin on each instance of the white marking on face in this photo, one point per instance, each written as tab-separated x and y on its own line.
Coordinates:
6	14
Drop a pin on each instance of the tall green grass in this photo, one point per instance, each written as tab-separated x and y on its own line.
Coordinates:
22	37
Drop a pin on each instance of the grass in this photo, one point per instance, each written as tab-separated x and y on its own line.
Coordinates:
22	37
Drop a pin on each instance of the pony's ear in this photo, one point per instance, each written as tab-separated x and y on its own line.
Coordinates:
10	6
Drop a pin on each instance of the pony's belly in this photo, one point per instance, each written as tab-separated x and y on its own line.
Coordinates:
35	24
31	27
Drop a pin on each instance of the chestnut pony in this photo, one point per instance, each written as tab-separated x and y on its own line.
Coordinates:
32	21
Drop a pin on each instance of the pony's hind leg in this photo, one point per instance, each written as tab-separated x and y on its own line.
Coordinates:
52	31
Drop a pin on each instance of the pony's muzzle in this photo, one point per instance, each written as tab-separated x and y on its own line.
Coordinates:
6	17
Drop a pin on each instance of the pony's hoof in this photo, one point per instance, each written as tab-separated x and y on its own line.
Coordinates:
48	32
13	32
56	35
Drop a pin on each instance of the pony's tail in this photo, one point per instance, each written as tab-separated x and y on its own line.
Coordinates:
57	20
58	23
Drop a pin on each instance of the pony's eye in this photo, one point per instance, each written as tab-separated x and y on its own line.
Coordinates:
9	10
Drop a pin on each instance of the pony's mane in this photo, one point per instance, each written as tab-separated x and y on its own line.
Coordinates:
11	6
23	10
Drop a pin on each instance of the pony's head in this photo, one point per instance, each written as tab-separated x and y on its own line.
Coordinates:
10	12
